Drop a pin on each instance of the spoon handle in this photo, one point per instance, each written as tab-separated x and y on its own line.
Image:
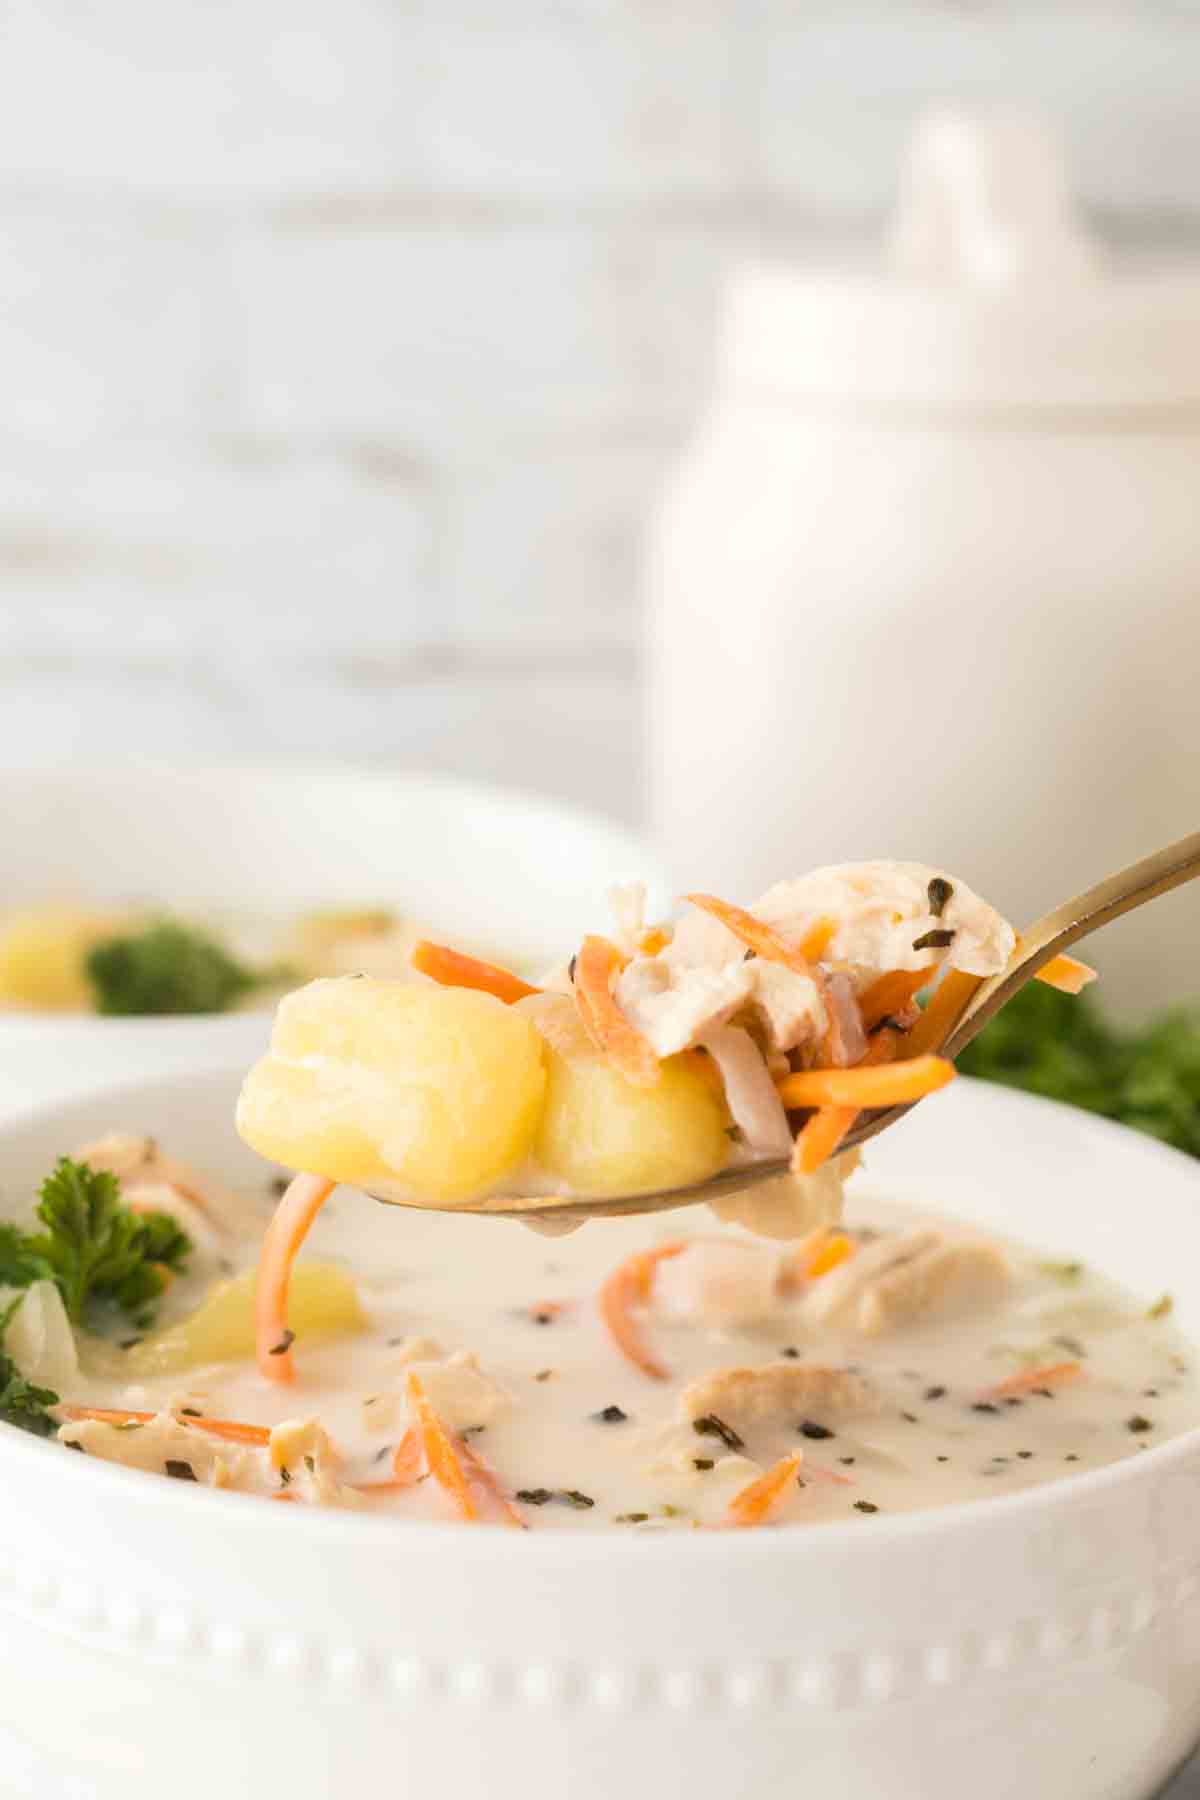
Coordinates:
1073	920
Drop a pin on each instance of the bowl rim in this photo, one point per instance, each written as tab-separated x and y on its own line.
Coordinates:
294	774
327	1526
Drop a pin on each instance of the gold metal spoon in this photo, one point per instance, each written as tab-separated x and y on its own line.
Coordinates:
1056	932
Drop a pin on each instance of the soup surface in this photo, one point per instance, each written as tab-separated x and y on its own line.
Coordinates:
906	1361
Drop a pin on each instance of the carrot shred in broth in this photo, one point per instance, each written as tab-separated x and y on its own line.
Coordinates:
836	1249
440	1453
290	1225
762	938
596	965
450	968
233	1431
481	1472
1067	974
1027	1381
867	1085
752	1504
631	1282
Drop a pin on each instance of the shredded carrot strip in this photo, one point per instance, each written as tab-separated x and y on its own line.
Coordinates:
866	1085
629	1283
289	1227
762	938
945	1009
407	1458
232	1430
440	1452
481	1472
892	994
1067	974
820	1137
1029	1379
450	968
837	1248
752	1504
596	964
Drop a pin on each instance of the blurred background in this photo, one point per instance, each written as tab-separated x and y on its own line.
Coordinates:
343	349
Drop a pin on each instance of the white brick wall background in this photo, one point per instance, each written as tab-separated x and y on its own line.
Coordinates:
342	346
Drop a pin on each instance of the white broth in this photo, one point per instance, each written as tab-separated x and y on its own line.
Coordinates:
919	1388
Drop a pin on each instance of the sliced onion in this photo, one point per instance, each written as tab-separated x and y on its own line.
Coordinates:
750	1094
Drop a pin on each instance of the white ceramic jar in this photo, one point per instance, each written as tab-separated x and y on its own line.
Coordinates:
927	583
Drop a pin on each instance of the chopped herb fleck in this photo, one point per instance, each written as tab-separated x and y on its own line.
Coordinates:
571	971
847	1460
1161	1308
131	1343
182	1471
610	1415
1071	1458
708	1425
634	1518
910	1418
278	1185
865	1506
940	891
790	1351
703	1463
935	1393
1073	1344
810	1429
1150	1393
1044	1393
381	1454
943	1459
1013	1400
285	1476
543	1374
285	1343
934	940
1024	1455
984	1406
1139	1423
190	1412
534	1496
574	1498
310	1464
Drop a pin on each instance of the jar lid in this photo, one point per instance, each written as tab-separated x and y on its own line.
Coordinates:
992	297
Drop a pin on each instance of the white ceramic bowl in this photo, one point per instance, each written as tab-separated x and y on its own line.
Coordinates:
161	1638
158	1639
482	865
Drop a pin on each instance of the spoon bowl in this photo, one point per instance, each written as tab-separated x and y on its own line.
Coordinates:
978	1000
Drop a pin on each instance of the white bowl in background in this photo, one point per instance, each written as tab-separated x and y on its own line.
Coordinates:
164	1639
516	872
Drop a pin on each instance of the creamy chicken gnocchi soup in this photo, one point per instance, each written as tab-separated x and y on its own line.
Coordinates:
635	1377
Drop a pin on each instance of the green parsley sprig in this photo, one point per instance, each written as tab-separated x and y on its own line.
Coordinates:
94	1247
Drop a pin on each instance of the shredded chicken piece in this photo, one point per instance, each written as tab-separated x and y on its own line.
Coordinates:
459	1391
152	1182
673	1007
718	1282
163	1440
748	1399
884	909
949	1278
303	1449
893	1281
